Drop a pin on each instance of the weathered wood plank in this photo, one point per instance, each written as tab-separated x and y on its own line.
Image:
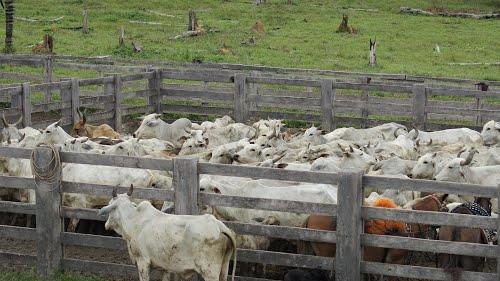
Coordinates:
204	94
349	227
48	219
17	208
373	87
26	104
429	186
105	190
17	259
154	88
53	86
419	272
206	110
429	218
240	99
326	104
425	245
117	161
95	81
186	185
75	100
462	92
267	173
138	76
285	101
15	232
284	259
419	99
267	204
17	182
118	101
15	152
283	232
198	75
285	81
86	214
88	240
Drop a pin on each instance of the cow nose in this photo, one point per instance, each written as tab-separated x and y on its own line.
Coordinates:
433	179
133	135
236	156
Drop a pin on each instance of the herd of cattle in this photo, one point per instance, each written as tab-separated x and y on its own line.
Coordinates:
391	150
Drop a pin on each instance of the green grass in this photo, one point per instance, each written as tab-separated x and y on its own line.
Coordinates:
31	276
298	35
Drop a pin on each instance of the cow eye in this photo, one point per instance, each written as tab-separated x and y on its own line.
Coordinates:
48	132
311	135
262	145
267	155
450	167
488	129
264	135
425	162
252	150
120	147
304	157
202	189
190	146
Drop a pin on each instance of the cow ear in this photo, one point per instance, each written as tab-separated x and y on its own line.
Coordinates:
130	190
324	155
216	190
434	155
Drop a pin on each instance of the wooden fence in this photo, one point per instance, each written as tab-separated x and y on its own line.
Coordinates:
246	97
106	64
187	199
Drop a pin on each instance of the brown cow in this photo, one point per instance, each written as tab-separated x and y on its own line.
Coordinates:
82	129
454	263
380	227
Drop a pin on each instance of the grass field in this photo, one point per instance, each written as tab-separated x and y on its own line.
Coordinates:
298	35
31	276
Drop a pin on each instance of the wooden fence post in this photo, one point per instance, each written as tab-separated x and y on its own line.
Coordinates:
109	89
154	86
186	186
49	225
326	104
47	73
253	90
65	91
365	95
26	101
240	108
419	101
117	84
349	227
75	100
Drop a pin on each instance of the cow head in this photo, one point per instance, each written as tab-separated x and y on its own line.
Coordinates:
192	146
456	169
150	127
117	201
54	134
10	131
425	167
251	153
491	133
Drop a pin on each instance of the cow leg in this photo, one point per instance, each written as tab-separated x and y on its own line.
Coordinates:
143	268
73	223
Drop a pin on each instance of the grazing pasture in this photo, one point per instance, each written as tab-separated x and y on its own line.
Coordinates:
302	34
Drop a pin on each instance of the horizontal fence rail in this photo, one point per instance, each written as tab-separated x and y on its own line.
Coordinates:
188	199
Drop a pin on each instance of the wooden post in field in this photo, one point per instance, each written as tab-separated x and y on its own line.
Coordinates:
75	100
419	101
117	85
109	90
154	87
47	73
349	227
85	25
253	91
240	108
26	100
481	86
326	104
121	38
65	92
49	225
186	186
373	53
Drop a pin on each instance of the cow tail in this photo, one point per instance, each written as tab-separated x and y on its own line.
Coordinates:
230	234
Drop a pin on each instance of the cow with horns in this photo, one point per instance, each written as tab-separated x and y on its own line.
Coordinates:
82	129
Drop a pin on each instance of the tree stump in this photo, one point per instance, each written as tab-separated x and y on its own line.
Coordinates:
373	53
193	21
85	26
344	25
46	46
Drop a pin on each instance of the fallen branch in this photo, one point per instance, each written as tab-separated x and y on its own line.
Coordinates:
362	10
161	14
475	63
190	33
145	22
35	20
413	11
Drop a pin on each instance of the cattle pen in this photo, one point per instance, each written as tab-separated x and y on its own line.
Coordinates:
349	237
333	99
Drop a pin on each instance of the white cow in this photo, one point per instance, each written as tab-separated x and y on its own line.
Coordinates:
491	133
178	244
54	134
153	127
10	131
392	166
352	160
317	193
450	136
388	131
